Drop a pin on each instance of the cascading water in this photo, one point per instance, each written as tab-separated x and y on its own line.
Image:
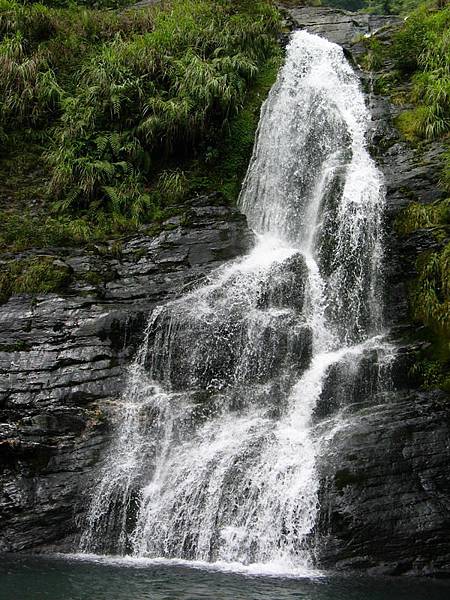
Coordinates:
216	457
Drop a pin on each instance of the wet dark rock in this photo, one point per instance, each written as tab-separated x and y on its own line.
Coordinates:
62	359
347	382
285	287
386	491
338	26
237	342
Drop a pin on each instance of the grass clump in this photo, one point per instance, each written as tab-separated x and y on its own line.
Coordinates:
37	275
420	216
431	295
421	50
374	57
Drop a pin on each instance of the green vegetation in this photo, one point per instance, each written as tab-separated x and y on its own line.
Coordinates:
36	275
374	57
431	302
303	2
415	71
430	292
22	232
422	52
434	216
127	113
96	4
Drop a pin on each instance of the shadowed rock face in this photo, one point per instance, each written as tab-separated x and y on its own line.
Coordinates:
62	361
386	490
385	498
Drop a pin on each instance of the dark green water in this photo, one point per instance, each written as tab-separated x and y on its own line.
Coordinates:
30	578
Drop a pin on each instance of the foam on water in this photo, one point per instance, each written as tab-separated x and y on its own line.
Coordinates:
255	570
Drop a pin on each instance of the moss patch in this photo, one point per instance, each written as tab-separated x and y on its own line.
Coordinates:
36	275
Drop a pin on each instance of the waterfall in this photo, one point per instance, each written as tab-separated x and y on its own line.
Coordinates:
217	453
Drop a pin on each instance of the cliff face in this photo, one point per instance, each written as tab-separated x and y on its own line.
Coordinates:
62	364
385	503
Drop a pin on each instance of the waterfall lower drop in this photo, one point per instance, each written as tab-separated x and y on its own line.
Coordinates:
222	425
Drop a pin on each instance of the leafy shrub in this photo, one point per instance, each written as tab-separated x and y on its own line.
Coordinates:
41	50
155	96
431	374
28	87
373	59
410	41
431	297
445	177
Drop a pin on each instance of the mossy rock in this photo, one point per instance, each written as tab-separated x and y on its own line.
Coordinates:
36	275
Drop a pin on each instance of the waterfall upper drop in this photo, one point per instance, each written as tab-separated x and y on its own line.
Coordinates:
312	182
217	454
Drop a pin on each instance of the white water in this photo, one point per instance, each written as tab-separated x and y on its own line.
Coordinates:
218	452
